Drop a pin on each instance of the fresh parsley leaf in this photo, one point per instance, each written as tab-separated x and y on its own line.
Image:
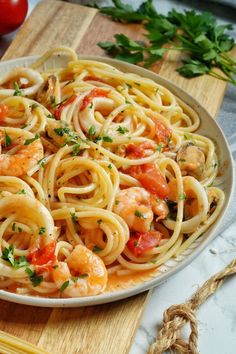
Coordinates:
91	132
8	255
122	130
30	141
61	131
7	140
42	230
21	191
34	278
182	196
96	249
64	286
34	105
107	139
41	162
84	275
195	34
74	218
17	90
139	214
76	149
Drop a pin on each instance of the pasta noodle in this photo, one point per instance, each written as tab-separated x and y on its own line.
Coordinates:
102	178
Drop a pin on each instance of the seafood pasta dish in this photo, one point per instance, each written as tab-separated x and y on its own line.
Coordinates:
102	178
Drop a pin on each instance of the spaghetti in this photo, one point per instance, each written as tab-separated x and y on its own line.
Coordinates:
101	177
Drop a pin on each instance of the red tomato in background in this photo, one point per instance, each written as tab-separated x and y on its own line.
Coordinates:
12	14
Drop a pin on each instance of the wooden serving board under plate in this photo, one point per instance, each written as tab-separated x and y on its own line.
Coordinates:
104	329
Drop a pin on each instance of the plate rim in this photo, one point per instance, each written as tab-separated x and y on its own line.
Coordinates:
153	282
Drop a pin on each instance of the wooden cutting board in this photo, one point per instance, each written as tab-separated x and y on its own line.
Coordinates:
106	329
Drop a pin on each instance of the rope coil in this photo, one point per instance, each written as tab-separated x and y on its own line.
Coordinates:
176	316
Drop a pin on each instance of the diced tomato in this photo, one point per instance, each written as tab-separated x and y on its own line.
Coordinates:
163	134
142	241
150	178
4	111
96	92
43	256
138	151
92	78
134	151
58	110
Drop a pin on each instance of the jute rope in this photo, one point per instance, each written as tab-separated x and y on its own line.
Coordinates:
176	316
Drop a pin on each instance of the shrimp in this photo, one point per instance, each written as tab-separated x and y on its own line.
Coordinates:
24	150
82	274
137	207
159	207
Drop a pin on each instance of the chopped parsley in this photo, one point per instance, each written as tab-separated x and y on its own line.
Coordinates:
21	191
51	116
34	105
42	230
99	221
8	255
61	131
107	139
159	147
91	132
96	249
19	229
76	149
53	101
84	275
74	218
64	286
109	166
30	141
139	214
17	90
91	105
182	196
34	278
7	140
41	162
13	227
122	130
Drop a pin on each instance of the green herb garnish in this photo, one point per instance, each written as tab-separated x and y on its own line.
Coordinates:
182	196
122	130
17	90
139	214
30	141
7	140
8	255
21	191
96	249
74	218
64	286
196	34
107	139
42	230
34	278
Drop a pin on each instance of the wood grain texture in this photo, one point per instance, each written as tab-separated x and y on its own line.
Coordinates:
108	328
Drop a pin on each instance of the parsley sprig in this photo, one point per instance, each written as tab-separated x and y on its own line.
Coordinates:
196	34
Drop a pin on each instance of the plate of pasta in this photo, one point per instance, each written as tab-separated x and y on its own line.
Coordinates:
111	179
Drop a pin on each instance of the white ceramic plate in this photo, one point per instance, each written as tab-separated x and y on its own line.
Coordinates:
208	127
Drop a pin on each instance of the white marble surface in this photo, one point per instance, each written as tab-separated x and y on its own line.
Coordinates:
217	317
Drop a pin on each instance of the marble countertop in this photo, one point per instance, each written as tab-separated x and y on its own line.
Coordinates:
217	317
